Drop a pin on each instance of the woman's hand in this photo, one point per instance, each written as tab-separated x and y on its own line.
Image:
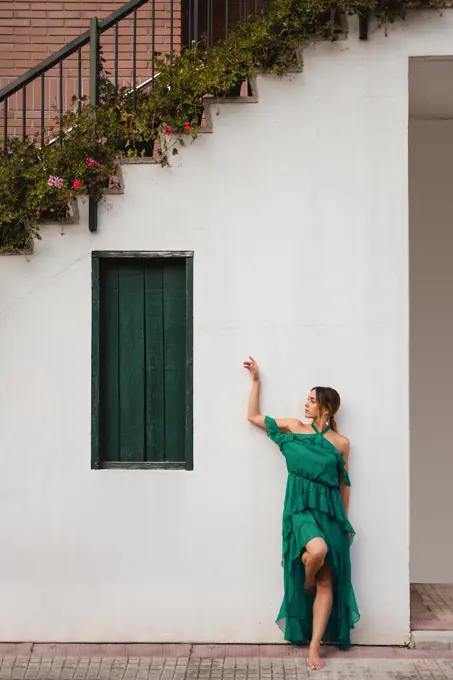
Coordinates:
252	368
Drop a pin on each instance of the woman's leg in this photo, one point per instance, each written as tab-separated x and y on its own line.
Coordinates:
321	612
313	559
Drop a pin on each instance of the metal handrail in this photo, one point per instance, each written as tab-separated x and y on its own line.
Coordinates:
146	83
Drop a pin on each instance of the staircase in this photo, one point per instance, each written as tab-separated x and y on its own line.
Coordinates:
130	41
125	45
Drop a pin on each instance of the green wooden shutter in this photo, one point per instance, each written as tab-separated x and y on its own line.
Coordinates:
155	372
131	361
109	358
144	362
175	358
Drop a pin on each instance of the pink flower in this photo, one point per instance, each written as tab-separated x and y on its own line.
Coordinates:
77	184
168	130
38	214
55	182
91	163
187	126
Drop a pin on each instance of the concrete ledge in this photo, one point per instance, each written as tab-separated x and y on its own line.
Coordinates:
117	185
432	639
138	160
28	249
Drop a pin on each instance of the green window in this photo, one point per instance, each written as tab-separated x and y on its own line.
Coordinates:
142	360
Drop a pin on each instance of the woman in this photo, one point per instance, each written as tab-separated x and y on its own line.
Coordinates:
319	602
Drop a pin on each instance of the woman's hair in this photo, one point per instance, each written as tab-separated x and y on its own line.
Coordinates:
328	399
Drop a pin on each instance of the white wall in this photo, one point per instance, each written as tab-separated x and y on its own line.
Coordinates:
431	342
301	258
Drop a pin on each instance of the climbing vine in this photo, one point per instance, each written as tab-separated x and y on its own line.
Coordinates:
37	184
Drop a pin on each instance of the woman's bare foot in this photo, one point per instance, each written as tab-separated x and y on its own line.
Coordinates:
314	661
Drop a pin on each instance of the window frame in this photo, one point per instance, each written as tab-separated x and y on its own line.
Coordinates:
96	463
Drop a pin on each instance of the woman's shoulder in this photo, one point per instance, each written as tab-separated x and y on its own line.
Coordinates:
296	426
288	425
341	442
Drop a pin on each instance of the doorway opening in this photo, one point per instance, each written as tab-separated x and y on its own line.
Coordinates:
431	341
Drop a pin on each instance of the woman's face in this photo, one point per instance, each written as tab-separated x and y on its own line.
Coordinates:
311	406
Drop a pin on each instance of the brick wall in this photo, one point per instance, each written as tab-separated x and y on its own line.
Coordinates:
31	31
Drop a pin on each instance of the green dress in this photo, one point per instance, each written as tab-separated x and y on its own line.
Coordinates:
314	508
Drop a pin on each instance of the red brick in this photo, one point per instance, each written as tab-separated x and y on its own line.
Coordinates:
43	22
68	14
24	64
6	54
166	32
32	30
85	6
37	47
13	122
79	23
52	41
58	31
16	22
28	14
15	38
144	39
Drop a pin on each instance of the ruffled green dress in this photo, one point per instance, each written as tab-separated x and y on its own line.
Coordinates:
314	508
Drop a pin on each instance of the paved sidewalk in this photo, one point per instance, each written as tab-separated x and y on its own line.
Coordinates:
37	667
